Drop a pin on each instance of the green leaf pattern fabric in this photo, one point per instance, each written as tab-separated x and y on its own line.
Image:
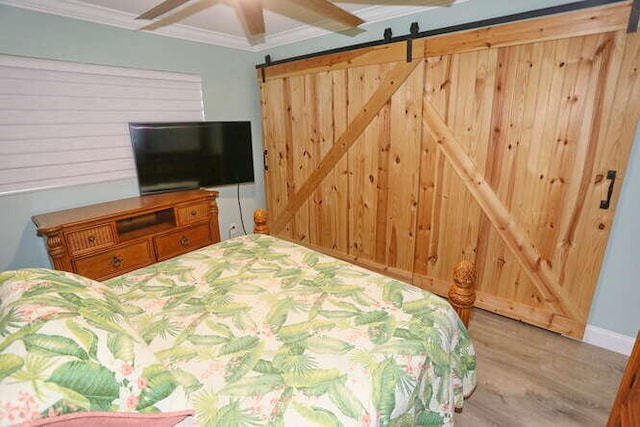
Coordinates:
66	346
277	334
255	330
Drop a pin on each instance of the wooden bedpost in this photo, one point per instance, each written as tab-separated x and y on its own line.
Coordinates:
462	293
260	220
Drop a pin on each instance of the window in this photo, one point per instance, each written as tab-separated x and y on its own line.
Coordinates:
64	123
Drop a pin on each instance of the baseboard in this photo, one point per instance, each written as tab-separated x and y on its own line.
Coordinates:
607	339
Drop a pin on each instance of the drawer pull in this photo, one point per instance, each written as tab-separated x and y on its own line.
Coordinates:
194	213
91	239
115	262
184	240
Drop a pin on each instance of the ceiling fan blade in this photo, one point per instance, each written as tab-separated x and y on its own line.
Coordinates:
331	11
178	16
251	11
161	9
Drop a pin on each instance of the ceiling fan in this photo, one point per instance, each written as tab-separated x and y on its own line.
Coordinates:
250	11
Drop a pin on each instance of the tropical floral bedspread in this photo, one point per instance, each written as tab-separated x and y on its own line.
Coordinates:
66	347
252	331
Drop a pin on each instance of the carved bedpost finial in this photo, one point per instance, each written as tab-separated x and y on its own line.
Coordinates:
462	293
260	220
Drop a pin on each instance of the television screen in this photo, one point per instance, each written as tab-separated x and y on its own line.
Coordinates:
186	155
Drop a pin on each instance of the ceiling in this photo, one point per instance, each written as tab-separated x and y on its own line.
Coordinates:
218	24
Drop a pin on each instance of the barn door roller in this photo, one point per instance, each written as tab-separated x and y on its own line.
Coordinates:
414	29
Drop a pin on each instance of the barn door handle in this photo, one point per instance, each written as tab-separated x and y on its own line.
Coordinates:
611	176
264	158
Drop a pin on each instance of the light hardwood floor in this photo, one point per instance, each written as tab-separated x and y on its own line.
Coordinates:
528	376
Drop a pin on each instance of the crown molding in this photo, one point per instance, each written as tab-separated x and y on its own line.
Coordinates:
115	18
101	15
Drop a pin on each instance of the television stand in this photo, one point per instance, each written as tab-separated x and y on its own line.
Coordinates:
108	239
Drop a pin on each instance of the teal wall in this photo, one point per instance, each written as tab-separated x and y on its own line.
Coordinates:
230	92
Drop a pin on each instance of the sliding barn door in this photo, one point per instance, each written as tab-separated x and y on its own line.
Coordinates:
539	127
498	146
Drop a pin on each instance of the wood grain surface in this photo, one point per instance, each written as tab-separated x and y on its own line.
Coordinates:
492	148
529	377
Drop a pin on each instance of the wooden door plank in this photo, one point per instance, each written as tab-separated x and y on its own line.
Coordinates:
508	171
323	213
544	317
383	54
344	60
274	124
613	17
547	152
357	96
436	88
375	137
388	87
469	117
533	188
514	237
288	158
453	219
619	102
378	177
524	203
340	188
320	118
461	86
302	148
403	165
490	255
367	165
585	119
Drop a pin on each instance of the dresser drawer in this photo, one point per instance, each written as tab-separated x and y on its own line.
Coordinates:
192	213
182	241
83	241
115	262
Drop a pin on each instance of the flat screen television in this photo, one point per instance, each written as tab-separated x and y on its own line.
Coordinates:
186	155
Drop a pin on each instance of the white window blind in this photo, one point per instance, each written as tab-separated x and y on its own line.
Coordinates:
65	123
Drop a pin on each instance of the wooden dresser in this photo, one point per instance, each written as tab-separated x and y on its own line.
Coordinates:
108	239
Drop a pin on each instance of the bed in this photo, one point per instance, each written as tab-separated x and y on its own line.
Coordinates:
252	331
